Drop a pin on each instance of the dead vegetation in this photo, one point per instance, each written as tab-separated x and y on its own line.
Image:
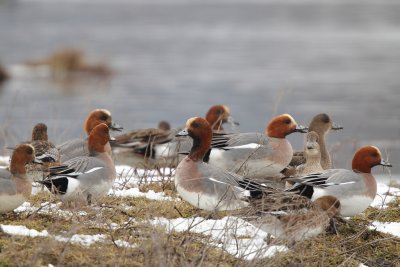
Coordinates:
129	239
4	76
69	63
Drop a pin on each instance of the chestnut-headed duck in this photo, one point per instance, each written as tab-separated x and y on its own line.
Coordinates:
161	147
297	224
256	155
85	178
206	186
355	189
79	147
320	124
16	185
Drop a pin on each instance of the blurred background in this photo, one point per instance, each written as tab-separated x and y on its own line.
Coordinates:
155	60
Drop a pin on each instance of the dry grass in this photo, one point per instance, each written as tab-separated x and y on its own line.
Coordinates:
68	63
4	76
127	219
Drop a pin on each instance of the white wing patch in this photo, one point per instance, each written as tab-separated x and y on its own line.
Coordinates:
250	145
94	169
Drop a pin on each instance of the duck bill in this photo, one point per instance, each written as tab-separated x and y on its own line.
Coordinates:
184	132
300	129
385	163
336	126
112	138
310	145
37	161
232	121
116	127
44	158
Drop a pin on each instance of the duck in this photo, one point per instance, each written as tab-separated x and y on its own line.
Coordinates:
161	148
321	124
355	189
79	147
312	155
204	185
256	155
282	213
85	178
15	184
43	147
297	224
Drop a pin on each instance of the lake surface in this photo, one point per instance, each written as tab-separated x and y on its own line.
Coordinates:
174	59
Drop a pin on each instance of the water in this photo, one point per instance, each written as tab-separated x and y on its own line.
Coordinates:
174	59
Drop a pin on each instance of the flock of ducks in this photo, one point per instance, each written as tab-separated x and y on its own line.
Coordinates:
289	194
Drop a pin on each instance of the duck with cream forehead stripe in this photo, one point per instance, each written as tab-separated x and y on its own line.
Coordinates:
85	178
206	186
256	155
155	148
355	189
78	147
15	185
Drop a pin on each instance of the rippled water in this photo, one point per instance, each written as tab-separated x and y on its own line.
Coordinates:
173	59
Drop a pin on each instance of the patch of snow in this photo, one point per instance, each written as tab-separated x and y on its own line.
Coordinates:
22	230
48	208
4	161
134	192
124	244
234	235
382	198
84	240
392	228
128	177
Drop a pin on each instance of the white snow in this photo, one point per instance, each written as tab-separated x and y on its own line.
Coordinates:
382	198
22	230
392	228
134	192
4	161
48	208
84	240
232	234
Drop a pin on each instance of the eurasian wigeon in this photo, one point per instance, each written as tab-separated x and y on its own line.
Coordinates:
161	147
78	147
321	124
355	189
298	224
85	178
15	185
312	155
44	148
256	155
206	186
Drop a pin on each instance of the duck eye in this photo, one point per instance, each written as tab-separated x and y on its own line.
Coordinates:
287	121
375	155
29	151
103	117
195	125
220	111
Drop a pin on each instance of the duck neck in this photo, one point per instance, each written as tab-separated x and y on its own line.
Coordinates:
325	157
199	149
23	184
359	165
17	167
313	163
95	146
